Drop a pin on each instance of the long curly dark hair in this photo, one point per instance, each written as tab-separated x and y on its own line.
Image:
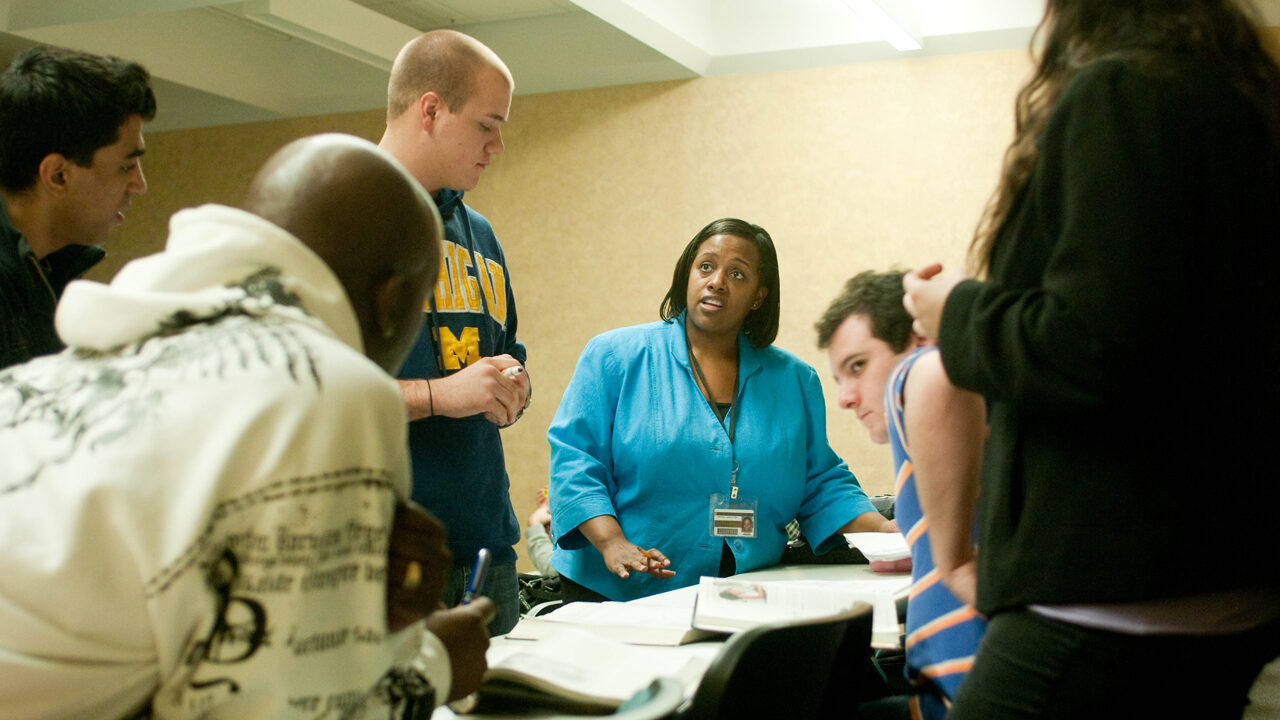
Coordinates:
1152	32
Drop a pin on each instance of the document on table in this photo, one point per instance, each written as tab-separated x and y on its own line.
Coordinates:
879	546
883	597
628	622
731	604
583	671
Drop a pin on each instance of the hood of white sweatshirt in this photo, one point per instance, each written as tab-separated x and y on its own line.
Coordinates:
208	269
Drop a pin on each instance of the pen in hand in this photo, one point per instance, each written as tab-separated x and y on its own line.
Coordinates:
655	563
468	703
648	559
478	572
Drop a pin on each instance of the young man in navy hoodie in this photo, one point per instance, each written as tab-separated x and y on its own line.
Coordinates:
447	101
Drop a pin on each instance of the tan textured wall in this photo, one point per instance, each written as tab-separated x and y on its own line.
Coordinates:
185	168
849	168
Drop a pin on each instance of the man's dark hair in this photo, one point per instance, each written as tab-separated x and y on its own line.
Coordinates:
876	296
54	100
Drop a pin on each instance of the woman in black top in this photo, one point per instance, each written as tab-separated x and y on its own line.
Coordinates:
1120	332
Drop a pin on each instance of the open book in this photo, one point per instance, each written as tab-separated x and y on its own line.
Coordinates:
581	671
635	623
730	605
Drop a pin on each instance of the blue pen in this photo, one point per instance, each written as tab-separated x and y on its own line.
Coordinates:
478	571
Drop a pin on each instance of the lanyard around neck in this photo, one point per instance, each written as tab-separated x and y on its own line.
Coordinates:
733	411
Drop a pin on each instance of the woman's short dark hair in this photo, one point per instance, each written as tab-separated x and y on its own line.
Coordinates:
54	100
761	324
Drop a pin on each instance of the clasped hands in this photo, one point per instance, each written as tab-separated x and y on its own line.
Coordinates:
488	386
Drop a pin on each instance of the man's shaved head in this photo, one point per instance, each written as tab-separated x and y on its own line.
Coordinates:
370	222
441	61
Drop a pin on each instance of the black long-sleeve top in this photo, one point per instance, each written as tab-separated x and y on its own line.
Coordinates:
1125	343
29	292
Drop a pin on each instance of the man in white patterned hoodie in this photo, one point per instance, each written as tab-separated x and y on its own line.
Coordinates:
202	498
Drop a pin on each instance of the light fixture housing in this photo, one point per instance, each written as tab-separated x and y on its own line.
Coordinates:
897	21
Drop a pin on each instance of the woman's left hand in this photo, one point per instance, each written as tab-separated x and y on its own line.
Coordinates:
622	558
657	564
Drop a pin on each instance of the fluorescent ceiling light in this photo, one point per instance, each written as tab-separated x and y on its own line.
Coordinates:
340	26
897	21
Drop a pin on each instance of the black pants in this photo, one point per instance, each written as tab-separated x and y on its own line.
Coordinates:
1030	666
571	591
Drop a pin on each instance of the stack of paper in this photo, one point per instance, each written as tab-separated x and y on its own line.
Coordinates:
886	552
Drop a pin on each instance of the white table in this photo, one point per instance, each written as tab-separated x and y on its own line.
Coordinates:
858	577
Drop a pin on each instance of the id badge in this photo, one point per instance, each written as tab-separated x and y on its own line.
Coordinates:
732	518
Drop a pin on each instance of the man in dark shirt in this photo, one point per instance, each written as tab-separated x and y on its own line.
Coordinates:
70	148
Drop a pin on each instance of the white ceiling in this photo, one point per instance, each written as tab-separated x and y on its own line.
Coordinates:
216	63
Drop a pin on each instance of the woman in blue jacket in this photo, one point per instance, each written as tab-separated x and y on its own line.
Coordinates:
683	447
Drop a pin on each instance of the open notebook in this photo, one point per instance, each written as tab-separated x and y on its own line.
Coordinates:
630	622
580	671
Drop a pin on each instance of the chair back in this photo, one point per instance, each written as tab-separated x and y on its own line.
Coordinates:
785	670
847	683
659	700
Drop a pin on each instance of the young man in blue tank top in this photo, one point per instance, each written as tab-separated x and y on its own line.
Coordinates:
892	379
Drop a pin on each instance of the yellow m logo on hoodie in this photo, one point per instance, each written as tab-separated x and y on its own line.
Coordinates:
457	353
